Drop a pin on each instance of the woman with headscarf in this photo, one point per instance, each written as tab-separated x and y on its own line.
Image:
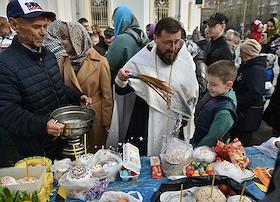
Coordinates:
52	40
6	36
150	29
86	70
257	27
273	29
129	39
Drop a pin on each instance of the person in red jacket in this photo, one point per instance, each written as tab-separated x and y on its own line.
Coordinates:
257	30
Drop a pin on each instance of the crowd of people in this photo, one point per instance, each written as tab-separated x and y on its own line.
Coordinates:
220	80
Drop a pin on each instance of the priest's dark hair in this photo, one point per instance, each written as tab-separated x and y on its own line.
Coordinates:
168	24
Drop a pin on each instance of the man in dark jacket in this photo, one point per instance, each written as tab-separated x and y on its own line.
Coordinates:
218	48
30	84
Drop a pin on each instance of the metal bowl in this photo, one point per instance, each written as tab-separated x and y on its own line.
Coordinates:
77	119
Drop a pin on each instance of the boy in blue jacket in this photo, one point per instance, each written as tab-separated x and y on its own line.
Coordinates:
216	112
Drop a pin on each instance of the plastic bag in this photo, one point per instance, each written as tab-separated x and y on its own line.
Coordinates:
175	155
204	153
77	182
269	147
232	171
60	167
105	164
121	196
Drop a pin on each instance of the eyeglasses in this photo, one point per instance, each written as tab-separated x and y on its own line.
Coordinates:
169	44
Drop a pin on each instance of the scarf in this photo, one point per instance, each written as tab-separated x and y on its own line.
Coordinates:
272	33
126	22
151	31
52	40
81	43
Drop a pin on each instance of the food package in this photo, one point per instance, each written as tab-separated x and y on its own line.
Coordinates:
204	153
156	171
131	163
231	170
118	196
105	164
60	167
204	195
77	182
175	155
233	152
85	159
36	172
236	198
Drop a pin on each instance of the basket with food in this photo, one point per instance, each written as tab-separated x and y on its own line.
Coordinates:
77	182
35	161
105	164
193	189
174	156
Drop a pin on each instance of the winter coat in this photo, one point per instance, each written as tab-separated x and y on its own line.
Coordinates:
30	89
218	50
249	88
94	80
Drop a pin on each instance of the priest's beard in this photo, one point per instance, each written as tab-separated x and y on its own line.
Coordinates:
168	57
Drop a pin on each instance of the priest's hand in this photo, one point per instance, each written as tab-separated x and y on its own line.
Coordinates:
123	74
54	128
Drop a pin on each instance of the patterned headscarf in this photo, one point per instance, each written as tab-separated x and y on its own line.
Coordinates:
52	40
81	43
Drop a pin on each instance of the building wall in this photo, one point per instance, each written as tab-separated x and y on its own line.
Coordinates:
72	10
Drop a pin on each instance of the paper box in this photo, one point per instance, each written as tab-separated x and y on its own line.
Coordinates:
17	173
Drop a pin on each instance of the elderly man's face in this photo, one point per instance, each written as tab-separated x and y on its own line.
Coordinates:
168	46
30	31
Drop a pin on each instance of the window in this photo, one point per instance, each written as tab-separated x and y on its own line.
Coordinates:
99	12
161	9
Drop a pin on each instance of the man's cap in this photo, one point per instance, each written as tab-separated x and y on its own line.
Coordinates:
216	18
27	9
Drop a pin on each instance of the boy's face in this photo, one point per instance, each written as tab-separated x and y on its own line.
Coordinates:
216	87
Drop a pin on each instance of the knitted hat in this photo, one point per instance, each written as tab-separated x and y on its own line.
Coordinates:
251	47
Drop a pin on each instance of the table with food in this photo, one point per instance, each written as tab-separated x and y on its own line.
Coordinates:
225	172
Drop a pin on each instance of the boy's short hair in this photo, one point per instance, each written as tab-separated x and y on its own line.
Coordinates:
224	70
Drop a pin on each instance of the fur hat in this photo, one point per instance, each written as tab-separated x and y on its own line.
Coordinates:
251	47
